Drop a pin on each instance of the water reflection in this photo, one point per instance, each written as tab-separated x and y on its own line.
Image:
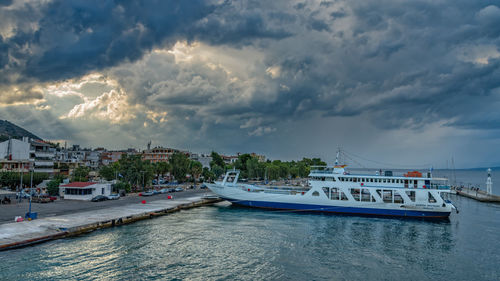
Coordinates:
227	243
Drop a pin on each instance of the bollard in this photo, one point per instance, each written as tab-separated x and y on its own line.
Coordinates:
143	201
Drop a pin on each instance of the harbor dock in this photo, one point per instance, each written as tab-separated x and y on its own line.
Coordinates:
477	194
20	234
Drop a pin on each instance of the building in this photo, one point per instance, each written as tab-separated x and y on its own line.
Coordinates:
84	190
15	155
158	154
229	159
43	155
202	158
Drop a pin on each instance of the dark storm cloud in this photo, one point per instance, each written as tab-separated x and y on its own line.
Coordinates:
396	64
75	37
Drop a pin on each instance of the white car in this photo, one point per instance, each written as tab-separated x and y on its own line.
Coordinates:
113	196
179	189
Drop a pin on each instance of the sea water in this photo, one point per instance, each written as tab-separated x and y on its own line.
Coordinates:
223	242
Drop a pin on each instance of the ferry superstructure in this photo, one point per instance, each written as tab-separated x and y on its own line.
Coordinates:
333	190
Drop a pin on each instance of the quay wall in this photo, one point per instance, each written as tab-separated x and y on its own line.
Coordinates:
21	234
478	195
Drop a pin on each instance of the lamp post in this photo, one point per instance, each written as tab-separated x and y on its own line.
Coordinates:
142	180
31	192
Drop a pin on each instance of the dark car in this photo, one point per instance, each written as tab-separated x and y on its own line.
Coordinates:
203	186
99	198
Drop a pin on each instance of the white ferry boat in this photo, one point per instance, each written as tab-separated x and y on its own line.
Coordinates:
333	190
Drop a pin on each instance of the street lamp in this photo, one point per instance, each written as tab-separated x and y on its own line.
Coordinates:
31	192
142	180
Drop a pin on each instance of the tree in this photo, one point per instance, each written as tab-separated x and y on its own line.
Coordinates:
107	172
216	160
53	187
81	173
122	185
208	175
218	171
135	171
196	169
180	165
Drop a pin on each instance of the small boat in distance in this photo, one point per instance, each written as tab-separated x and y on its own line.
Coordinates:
333	190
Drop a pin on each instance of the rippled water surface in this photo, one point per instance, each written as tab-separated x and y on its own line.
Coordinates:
222	242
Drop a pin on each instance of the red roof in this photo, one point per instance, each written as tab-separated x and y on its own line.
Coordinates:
79	184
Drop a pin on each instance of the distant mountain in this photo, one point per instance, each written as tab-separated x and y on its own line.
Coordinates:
8	129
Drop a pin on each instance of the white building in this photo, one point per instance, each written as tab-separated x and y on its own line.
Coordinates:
202	158
84	190
43	156
15	154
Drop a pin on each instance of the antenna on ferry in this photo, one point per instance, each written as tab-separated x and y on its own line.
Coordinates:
337	157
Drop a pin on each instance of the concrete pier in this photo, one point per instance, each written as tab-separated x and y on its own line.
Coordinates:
20	234
478	195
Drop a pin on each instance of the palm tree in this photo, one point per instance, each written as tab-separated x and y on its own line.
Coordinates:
196	169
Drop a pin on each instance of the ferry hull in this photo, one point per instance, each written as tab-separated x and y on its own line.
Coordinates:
341	209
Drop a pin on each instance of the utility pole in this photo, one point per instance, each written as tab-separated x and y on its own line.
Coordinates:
31	192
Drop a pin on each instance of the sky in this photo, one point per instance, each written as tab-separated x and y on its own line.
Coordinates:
404	83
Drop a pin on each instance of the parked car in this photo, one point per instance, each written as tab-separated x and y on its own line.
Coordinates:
99	198
114	196
164	190
155	192
203	186
146	193
179	189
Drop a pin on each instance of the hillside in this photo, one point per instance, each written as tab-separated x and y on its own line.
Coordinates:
8	129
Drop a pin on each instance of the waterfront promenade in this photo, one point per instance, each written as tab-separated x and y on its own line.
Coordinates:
83	217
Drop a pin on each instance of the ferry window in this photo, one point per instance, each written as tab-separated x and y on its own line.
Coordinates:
387	196
397	197
415	182
371	180
343	196
355	180
379	192
411	194
406	183
431	198
335	193
393	181
355	193
333	179
315	193
383	180
365	195
326	191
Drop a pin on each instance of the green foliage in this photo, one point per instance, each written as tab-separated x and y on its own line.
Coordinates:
13	179
108	172
216	160
81	173
122	185
208	175
195	168
180	165
53	187
217	171
135	171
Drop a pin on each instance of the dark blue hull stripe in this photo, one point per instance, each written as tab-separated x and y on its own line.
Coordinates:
339	209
